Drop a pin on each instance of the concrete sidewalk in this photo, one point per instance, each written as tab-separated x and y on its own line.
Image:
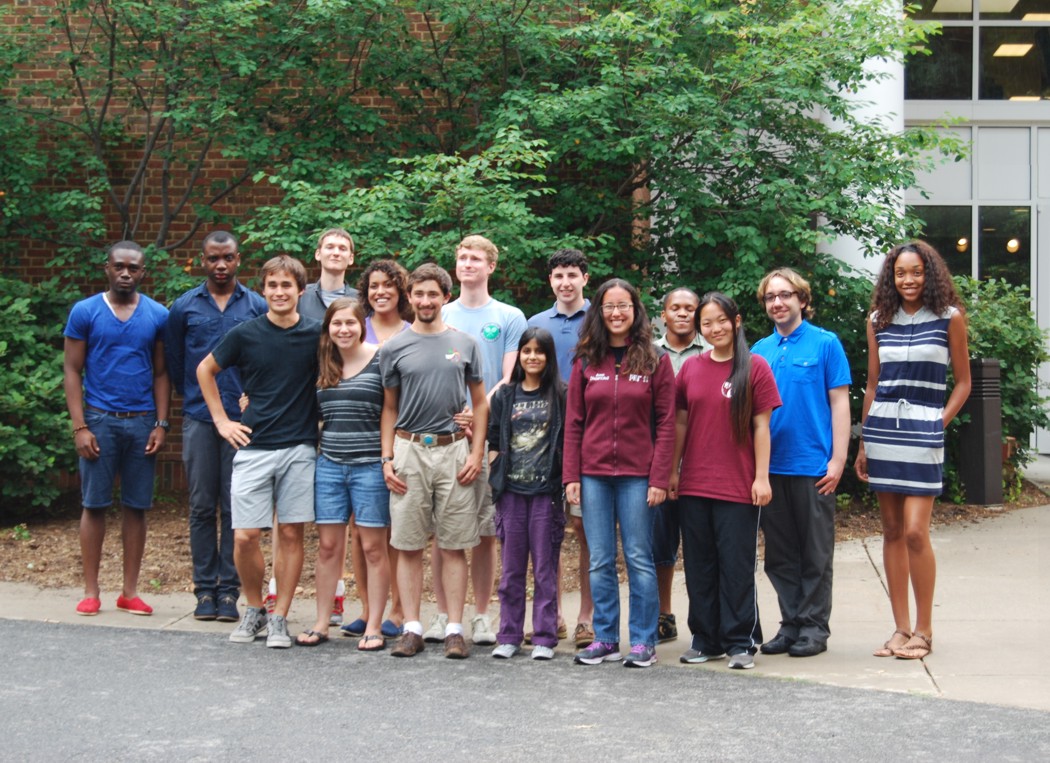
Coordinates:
991	624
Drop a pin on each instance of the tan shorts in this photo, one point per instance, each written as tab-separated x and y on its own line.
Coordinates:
486	508
435	500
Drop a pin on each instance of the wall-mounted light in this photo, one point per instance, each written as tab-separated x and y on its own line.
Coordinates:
962	245
1013	245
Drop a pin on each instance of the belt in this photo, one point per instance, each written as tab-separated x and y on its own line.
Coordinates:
430	440
121	414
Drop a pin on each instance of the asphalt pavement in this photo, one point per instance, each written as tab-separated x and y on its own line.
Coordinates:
167	687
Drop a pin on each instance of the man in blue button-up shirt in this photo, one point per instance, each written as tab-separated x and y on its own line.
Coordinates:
198	320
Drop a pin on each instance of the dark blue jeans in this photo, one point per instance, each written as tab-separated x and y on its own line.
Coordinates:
209	464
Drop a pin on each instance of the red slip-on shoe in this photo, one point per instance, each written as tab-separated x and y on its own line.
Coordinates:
135	606
89	606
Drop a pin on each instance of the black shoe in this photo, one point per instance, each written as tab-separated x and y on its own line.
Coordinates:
206	609
807	647
228	608
780	644
666	629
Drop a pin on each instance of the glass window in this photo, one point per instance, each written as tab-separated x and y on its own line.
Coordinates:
1015	10
947	229
946	73
943	10
1005	244
1014	63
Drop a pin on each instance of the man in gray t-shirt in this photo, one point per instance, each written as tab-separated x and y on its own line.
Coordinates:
427	462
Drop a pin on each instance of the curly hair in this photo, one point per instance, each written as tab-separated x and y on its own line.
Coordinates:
640	357
938	291
397	275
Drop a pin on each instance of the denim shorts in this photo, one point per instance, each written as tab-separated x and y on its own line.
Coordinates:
122	451
344	489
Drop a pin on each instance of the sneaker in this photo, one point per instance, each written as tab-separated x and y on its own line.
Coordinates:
135	606
540	652
481	630
206	608
277	635
597	653
666	629
336	618
696	657
253	624
583	636
270	602
456	647
742	661
409	645
506	651
640	656
228	612
89	606
435	632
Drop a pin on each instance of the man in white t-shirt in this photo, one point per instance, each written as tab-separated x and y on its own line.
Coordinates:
497	327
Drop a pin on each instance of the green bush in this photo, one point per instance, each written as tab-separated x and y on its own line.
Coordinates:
35	446
1002	326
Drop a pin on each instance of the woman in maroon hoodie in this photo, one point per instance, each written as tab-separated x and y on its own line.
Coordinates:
619	440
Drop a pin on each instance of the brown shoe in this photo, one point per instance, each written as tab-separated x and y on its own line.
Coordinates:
456	647
583	636
408	645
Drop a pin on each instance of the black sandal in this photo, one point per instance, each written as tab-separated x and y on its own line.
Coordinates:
362	645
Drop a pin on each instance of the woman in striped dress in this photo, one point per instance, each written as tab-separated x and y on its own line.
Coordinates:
916	327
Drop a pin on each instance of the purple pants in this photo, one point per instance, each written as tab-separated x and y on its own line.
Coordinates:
529	524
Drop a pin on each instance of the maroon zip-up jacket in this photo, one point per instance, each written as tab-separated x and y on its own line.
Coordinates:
608	423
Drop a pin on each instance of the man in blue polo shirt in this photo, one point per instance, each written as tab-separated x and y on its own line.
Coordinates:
809	436
198	320
567	273
117	393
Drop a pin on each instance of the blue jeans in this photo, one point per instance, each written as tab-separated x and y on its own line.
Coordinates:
209	465
608	501
122	452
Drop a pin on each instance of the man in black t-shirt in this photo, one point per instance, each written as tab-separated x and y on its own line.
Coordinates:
276	441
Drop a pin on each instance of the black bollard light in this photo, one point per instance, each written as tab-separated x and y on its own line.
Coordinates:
981	440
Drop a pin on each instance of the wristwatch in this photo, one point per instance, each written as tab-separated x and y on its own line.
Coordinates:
162	423
386	459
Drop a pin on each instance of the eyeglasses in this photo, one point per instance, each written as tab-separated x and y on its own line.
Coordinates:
784	296
622	307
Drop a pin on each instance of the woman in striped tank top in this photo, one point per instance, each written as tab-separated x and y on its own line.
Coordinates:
916	328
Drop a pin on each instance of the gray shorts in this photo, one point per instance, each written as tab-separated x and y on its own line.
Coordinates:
435	499
262	478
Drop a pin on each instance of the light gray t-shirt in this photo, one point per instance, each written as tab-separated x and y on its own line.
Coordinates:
432	371
496	326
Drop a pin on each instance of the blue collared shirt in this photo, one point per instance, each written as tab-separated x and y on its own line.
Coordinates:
566	332
195	327
806	364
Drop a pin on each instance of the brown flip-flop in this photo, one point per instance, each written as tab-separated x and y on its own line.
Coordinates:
915	651
362	645
321	638
888	651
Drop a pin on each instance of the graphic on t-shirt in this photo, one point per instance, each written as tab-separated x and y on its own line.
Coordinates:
452	356
727	389
530	423
490	332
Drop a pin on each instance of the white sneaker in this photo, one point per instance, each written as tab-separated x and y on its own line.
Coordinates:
435	633
505	651
742	661
481	630
542	653
277	637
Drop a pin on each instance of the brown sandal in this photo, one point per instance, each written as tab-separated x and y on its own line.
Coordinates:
887	649
921	647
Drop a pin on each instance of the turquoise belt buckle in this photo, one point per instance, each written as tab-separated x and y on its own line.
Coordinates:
428	439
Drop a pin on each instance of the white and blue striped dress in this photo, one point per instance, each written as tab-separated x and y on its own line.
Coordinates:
904	431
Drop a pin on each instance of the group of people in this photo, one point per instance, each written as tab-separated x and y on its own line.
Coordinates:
453	423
